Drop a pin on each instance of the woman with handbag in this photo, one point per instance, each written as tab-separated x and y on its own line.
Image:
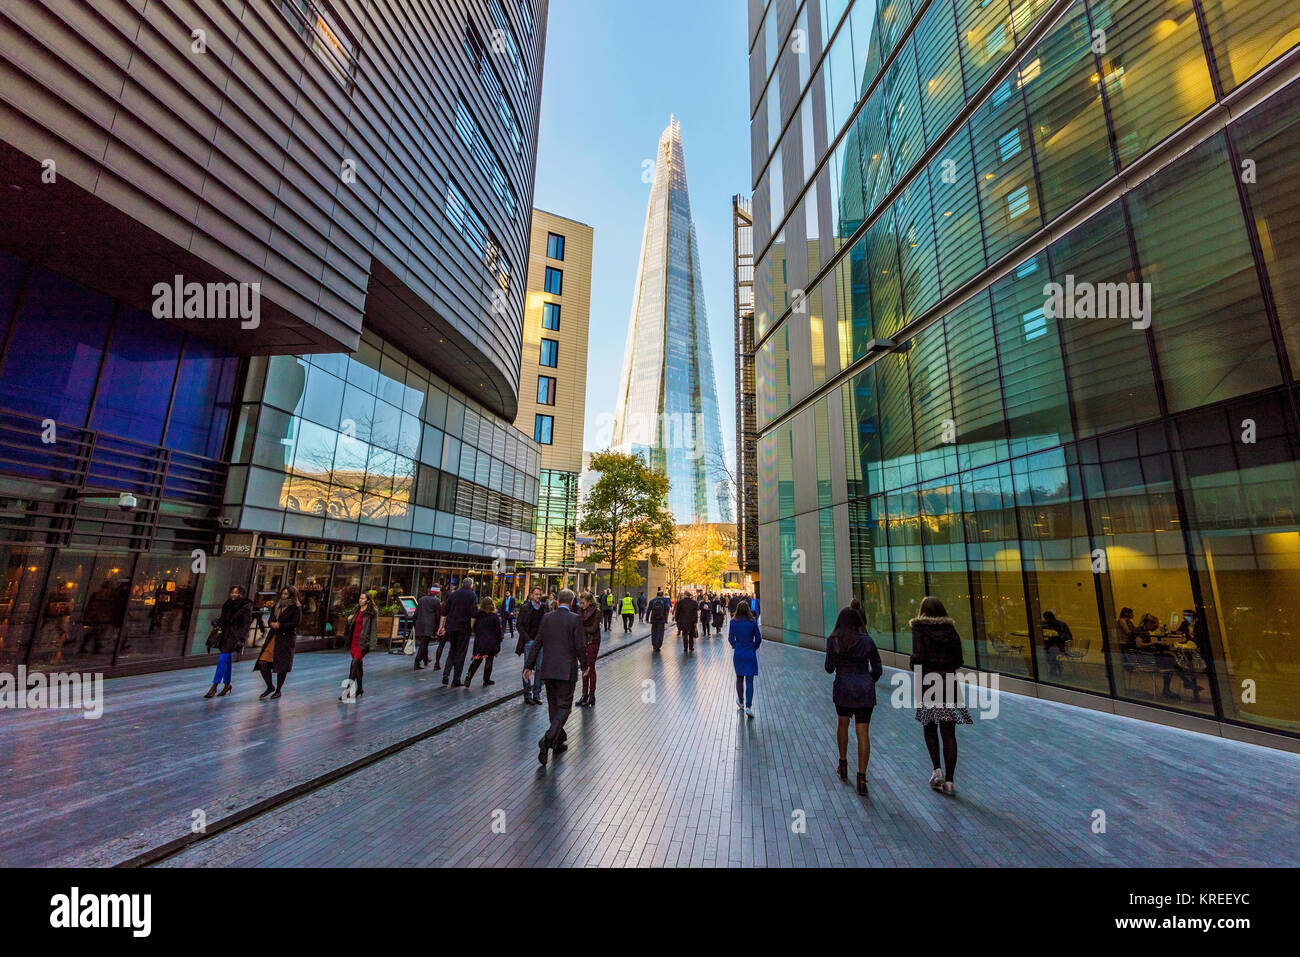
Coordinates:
229	632
936	650
282	636
591	620
361	629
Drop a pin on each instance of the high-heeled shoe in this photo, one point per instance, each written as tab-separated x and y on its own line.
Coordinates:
862	784
842	769
212	692
223	692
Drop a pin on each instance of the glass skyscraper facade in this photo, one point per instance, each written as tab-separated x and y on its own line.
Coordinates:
667	399
1028	316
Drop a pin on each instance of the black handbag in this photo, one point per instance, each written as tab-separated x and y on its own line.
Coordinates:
214	636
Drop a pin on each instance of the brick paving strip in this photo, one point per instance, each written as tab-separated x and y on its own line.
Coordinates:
681	778
122	790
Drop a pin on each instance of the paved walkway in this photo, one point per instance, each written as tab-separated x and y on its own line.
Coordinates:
97	792
681	778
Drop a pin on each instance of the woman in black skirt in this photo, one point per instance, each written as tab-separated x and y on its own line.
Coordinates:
852	657
936	650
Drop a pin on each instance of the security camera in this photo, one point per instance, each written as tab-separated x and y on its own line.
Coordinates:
126	501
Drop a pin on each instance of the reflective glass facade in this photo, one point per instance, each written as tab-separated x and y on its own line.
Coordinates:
99	399
667	399
937	420
371	449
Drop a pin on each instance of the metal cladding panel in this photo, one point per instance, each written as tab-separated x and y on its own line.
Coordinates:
210	139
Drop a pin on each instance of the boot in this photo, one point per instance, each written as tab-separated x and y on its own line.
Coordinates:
212	692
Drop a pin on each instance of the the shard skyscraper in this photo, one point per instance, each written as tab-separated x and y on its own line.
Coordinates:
667	399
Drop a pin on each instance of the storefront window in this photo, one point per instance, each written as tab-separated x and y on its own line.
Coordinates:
83	612
158	613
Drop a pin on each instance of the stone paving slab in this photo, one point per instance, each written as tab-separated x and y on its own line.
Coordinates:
689	781
99	792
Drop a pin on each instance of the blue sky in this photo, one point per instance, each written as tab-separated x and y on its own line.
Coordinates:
615	71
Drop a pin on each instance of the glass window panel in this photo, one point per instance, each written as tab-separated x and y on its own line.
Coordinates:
205	387
1066	116
1109	361
902	100
932	415
978	415
1135	519
939	68
135	383
984	29
1057	556
1248	35
55	348
1153	70
1270	138
1000	627
882	264
1193	250
1029	349
959	243
1007	191
916	247
905	564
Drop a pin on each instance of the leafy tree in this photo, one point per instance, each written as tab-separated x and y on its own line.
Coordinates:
626	512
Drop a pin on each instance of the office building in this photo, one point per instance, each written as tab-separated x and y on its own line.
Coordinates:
553	386
746	471
667	407
262	299
1026	309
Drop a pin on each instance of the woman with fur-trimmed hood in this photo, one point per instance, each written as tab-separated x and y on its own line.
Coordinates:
936	650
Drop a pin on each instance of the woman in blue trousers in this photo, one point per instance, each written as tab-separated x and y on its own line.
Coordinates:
745	639
231	633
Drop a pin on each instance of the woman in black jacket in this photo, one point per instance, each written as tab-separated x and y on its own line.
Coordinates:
488	635
360	632
282	635
852	657
936	650
231	629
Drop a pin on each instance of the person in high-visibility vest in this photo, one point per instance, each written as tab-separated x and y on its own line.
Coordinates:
607	608
628	611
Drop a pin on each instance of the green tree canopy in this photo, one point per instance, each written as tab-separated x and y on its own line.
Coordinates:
626	512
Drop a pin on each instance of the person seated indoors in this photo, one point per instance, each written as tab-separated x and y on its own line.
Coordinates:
1150	641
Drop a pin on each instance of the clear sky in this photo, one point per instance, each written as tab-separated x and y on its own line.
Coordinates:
615	71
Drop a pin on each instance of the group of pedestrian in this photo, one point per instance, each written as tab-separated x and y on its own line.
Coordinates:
560	642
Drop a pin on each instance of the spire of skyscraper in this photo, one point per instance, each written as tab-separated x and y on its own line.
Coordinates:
667	400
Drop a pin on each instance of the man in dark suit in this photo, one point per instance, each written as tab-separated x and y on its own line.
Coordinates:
562	648
428	615
687	614
458	622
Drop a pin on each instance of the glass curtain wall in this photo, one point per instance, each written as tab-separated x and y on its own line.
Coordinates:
1061	478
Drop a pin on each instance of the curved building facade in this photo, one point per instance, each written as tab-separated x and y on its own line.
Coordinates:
261	296
1025	298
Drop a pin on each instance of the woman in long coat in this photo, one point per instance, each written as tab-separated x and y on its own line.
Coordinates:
488	635
745	638
282	635
853	658
589	612
360	633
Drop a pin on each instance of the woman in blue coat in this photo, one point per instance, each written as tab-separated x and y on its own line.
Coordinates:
852	657
744	637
